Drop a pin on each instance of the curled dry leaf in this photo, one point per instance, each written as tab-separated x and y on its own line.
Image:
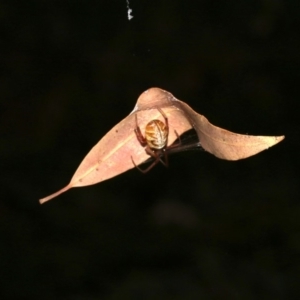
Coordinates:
111	156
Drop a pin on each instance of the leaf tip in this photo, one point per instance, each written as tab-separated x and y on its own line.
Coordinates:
277	139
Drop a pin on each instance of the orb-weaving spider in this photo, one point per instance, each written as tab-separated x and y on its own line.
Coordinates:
155	141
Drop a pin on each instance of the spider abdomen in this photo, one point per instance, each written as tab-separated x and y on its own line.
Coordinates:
156	134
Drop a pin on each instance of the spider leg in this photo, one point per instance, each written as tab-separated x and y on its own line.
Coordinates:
158	155
139	134
164	115
155	162
178	143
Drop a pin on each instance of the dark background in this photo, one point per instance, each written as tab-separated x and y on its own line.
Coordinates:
202	229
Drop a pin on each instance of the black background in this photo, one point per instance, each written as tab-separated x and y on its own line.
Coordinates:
202	229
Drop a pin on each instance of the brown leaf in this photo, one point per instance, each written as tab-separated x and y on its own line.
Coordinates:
225	144
111	156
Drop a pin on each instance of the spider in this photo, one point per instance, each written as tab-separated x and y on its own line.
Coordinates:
155	141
